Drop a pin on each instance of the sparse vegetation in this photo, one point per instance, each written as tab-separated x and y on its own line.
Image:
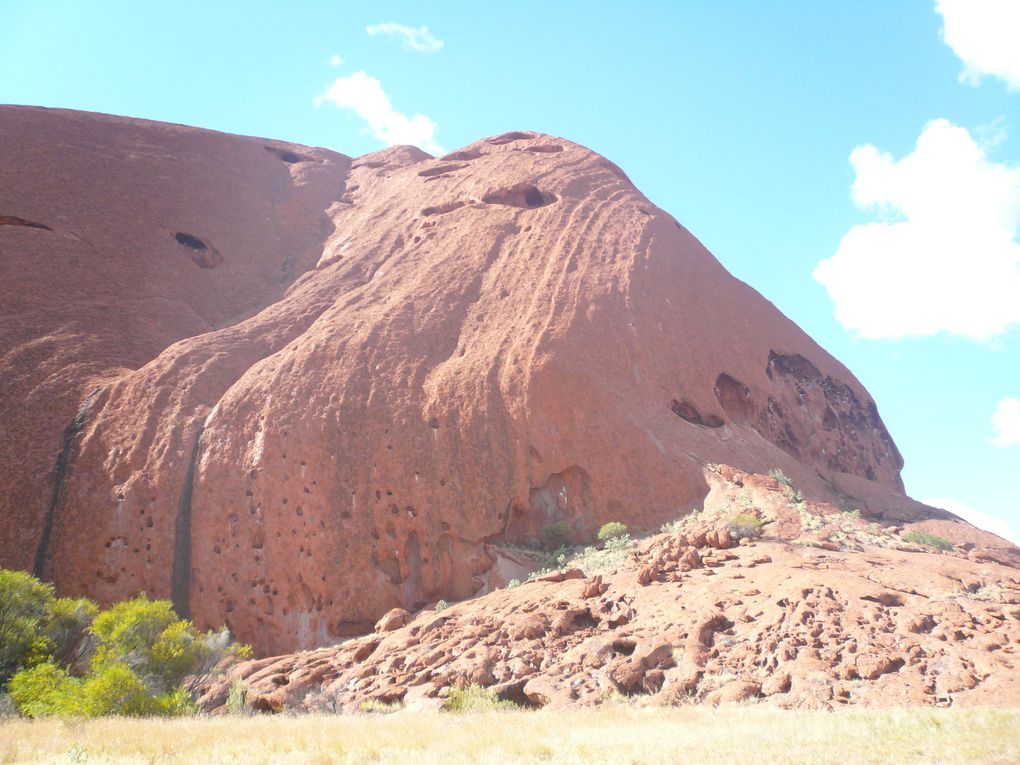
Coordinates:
681	524
611	556
611	530
237	698
475	698
930	540
515	582
780	476
745	525
441	605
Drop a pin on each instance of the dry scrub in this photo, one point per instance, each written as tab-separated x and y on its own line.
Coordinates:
613	734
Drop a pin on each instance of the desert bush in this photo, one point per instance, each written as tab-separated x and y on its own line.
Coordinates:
24	603
66	627
931	540
611	530
745	525
515	582
475	698
780	476
556	534
442	605
69	659
46	690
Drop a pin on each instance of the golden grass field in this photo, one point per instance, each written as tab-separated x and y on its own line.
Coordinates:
612	734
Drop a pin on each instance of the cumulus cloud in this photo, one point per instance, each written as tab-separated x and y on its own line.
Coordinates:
364	95
984	34
986	521
943	255
418	39
1006	423
335	60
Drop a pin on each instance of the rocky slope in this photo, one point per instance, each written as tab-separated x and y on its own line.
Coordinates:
292	390
816	607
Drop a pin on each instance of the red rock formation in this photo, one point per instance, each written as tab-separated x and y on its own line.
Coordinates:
823	609
292	391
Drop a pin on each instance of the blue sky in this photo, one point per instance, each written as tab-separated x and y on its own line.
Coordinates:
880	140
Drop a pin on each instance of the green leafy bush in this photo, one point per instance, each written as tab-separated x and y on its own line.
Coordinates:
442	605
46	690
931	540
24	603
475	698
611	530
66	658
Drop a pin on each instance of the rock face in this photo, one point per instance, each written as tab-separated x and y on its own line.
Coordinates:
293	391
817	608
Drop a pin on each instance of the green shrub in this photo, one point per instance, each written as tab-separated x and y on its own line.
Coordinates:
66	627
515	582
131	657
46	690
475	698
24	601
745	525
611	530
116	690
442	605
931	540
556	534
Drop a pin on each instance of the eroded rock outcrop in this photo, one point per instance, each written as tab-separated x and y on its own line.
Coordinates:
293	391
816	608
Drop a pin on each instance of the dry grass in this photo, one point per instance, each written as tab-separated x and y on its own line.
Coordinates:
613	734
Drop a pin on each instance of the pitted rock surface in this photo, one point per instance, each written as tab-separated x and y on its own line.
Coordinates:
774	620
293	391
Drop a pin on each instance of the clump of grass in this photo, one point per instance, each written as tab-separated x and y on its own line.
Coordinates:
745	525
377	707
475	698
237	698
442	605
780	476
515	582
930	540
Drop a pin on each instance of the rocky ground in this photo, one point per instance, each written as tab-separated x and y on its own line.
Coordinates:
762	597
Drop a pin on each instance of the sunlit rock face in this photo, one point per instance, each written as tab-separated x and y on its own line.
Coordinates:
292	391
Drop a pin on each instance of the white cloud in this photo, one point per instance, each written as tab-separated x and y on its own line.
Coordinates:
417	39
364	95
1006	423
943	257
335	60
985	35
992	523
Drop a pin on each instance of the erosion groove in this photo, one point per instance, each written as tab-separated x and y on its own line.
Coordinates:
180	587
64	461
